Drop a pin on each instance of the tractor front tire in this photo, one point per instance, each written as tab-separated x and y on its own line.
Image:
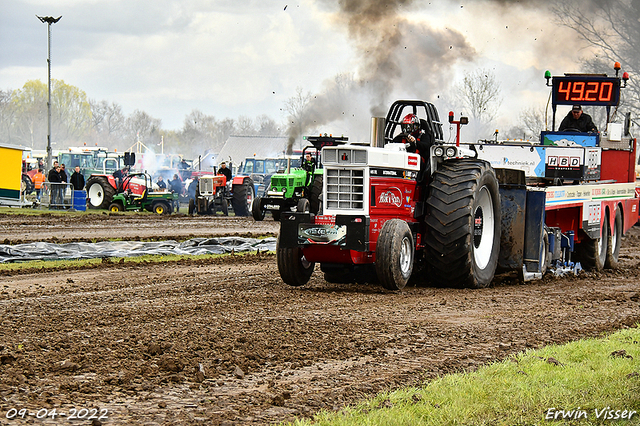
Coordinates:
99	192
394	254
303	206
463	225
116	206
315	195
243	195
295	270
192	206
256	211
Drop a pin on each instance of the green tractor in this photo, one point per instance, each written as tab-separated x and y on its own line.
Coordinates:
298	189
132	198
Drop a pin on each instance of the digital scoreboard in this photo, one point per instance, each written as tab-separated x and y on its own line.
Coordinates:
586	90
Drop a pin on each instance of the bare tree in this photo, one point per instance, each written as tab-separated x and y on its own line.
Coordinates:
141	126
7	115
267	126
108	124
612	28
479	94
297	107
532	120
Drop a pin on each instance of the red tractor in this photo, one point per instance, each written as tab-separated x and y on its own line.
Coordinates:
454	213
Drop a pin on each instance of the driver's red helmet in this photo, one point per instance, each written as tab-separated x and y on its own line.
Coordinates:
410	123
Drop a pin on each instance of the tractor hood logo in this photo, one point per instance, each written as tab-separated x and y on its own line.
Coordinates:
391	196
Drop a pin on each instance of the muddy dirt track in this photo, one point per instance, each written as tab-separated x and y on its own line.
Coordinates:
225	342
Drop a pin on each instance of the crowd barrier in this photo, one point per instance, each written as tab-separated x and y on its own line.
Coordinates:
62	196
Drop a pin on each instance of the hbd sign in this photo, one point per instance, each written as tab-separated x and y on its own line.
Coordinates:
563	162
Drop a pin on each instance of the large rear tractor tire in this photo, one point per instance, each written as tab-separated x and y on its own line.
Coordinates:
295	270
614	243
463	225
256	211
394	254
99	192
243	196
315	195
27	185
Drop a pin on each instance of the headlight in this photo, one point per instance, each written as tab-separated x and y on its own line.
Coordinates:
439	152
451	152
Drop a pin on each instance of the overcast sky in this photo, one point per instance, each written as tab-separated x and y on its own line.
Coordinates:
232	57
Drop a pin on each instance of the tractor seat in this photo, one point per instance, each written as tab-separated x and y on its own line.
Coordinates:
141	197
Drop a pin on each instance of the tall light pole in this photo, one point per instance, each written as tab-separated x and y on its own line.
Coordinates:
49	20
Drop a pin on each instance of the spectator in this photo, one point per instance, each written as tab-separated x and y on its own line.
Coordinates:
54	183
175	186
63	174
226	172
191	190
162	186
77	180
38	181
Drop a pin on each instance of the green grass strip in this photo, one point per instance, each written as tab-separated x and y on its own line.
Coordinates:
80	263
591	383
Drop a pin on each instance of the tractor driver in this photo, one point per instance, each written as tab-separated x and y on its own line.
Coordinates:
309	165
226	172
417	140
577	120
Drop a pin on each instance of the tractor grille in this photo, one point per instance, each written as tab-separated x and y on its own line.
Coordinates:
344	156
345	189
206	186
281	182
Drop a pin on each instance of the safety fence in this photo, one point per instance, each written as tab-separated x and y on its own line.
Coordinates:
61	196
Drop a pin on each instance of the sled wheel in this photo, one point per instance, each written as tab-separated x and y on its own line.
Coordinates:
394	254
99	192
116	206
315	195
545	255
295	270
614	242
463	225
303	206
592	252
256	211
243	195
